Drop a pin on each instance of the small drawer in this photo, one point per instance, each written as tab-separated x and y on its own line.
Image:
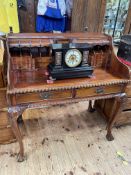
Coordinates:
7	136
4	122
101	90
128	91
49	95
3	101
127	105
124	118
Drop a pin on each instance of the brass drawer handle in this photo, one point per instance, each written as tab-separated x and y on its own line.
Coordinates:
100	90
45	95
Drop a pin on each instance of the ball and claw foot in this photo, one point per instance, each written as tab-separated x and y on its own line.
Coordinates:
109	137
21	158
91	110
20	120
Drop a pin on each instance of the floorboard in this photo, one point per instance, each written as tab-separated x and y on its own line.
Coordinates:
67	140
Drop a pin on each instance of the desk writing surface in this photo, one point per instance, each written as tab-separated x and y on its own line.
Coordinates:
100	76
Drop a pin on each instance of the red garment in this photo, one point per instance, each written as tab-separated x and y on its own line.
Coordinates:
124	61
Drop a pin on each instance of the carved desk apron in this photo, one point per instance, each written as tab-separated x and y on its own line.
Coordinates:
28	86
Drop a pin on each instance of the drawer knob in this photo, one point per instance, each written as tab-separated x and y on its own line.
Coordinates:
100	90
45	95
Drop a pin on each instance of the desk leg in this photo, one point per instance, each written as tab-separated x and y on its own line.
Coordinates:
91	108
118	103
13	121
20	120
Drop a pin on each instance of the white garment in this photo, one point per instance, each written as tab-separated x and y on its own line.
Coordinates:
42	6
69	7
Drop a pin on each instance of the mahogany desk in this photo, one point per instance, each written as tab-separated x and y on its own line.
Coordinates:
27	80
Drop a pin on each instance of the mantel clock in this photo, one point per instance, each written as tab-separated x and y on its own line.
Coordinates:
70	61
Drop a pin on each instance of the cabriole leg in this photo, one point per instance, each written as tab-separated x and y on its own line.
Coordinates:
13	121
91	108
118	103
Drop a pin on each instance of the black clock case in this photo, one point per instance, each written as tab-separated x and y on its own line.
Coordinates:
63	71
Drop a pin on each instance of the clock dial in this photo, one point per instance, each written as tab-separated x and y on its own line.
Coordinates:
73	58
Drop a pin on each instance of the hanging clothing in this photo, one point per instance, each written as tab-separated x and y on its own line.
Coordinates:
50	16
46	24
21	4
54	4
69	7
8	16
53	10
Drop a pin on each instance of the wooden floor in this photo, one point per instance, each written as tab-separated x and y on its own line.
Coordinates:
67	140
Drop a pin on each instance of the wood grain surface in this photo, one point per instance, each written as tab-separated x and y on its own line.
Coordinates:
88	13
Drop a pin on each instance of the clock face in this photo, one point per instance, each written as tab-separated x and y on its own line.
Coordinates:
73	58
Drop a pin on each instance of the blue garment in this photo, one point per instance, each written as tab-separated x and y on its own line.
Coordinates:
46	24
52	11
44	4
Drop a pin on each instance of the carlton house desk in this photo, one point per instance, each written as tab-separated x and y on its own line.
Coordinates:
29	85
